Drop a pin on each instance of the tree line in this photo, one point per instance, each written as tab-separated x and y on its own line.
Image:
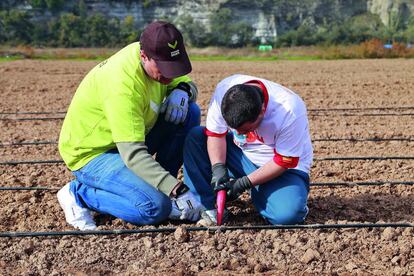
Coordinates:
78	29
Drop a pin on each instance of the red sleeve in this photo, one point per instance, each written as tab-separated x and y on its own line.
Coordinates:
287	162
213	134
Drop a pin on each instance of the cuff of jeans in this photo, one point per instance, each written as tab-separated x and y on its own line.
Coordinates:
167	184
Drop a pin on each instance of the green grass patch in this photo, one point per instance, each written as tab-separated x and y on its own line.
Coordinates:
251	58
4	59
74	58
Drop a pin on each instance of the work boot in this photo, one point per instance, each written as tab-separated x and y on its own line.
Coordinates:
209	217
75	215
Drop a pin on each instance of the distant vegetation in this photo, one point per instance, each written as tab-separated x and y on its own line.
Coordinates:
75	28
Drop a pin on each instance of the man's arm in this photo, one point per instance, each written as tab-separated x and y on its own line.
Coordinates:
217	148
136	157
267	172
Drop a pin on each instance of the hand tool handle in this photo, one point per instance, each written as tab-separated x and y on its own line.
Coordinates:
221	202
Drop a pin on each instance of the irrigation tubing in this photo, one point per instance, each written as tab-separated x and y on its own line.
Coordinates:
32	112
32	143
198	229
362	139
29	143
337	114
376	158
360	108
313	184
310	110
33	119
366	114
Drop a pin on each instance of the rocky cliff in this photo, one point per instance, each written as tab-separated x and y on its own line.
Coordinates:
267	17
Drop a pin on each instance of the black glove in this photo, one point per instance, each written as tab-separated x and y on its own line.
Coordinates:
220	174
234	187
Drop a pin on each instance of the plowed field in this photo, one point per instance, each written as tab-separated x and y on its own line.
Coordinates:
33	86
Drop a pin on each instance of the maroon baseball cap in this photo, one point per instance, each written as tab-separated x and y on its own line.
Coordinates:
162	42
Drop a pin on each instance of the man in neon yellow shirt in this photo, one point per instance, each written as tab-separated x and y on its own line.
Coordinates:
112	129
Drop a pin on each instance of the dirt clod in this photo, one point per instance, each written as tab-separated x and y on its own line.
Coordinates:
181	234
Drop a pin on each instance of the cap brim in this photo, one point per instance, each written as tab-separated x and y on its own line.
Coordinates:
176	68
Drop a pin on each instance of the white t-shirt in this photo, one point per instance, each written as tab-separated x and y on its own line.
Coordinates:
284	130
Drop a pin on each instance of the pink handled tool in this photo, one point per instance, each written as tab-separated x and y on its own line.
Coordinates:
221	202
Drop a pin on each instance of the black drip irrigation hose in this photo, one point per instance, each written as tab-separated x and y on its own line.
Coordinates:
33	119
362	139
360	183
32	112
29	143
310	110
314	115
210	229
360	108
37	188
376	158
32	143
322	184
366	114
31	162
313	184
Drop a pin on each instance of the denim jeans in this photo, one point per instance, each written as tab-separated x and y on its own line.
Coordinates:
107	186
282	200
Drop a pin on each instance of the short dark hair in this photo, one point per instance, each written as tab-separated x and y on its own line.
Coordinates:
242	103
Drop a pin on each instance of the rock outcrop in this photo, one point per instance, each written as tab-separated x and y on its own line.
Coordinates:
267	17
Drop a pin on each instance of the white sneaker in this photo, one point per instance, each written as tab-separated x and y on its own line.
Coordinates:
209	217
75	215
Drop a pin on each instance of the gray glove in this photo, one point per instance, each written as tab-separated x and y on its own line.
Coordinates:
185	206
234	187
220	175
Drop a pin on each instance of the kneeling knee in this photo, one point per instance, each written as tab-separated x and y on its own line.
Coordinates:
153	212
288	216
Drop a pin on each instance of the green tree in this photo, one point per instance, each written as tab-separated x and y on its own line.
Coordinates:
362	28
409	31
242	34
54	5
128	31
71	31
220	27
101	32
40	4
193	31
16	27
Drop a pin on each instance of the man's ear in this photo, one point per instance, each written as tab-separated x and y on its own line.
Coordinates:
143	56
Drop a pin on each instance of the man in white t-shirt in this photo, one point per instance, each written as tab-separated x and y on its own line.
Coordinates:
256	138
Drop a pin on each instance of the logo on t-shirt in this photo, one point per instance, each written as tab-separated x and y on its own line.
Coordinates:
250	137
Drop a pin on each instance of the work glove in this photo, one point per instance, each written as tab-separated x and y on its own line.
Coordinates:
234	187
175	105
220	175
185	206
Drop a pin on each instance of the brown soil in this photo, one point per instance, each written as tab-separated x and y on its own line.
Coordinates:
49	86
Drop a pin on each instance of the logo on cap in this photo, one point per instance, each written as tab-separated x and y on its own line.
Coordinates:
173	46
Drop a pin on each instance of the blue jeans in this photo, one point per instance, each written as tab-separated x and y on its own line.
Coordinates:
282	200
107	186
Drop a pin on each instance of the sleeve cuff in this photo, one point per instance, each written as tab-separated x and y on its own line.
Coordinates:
214	134
167	185
287	162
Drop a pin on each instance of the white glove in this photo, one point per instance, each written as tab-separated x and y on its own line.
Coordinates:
186	207
176	106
